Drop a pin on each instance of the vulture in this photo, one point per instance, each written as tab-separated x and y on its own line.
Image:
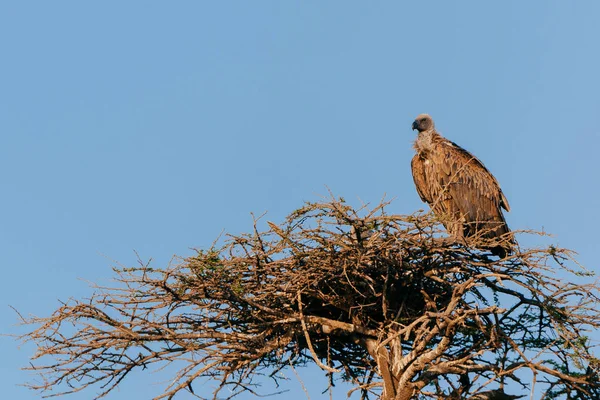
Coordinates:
460	190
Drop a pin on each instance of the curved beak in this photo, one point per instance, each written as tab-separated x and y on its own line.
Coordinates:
415	125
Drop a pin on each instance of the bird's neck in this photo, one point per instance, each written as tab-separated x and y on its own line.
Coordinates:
424	141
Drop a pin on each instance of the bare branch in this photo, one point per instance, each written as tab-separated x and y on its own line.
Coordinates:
386	302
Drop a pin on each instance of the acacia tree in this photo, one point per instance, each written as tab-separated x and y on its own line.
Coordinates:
382	301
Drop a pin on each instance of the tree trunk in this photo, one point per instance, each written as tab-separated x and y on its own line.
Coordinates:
387	364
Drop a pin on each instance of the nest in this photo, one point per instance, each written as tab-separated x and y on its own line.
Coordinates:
386	302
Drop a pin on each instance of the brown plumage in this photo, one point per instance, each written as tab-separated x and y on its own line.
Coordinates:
457	186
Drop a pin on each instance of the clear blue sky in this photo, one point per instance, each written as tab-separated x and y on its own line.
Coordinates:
153	126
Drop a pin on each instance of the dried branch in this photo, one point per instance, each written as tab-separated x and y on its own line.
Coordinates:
383	301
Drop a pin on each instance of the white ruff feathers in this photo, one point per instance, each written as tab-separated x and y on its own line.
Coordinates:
423	143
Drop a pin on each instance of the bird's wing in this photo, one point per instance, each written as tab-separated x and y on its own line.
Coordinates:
420	179
473	190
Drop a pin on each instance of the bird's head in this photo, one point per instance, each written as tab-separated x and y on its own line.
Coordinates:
422	123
